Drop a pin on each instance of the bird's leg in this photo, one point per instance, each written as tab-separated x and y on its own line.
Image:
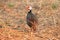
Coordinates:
33	28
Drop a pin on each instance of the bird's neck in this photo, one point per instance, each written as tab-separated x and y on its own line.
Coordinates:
30	11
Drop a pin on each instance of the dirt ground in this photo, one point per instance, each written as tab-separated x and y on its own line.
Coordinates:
13	24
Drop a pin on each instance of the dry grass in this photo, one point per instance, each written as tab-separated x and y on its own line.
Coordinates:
13	20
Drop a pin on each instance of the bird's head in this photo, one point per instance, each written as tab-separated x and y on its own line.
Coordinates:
29	7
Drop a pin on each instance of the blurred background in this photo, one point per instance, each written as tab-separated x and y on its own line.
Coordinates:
13	15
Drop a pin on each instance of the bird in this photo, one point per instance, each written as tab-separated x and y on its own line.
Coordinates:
31	19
